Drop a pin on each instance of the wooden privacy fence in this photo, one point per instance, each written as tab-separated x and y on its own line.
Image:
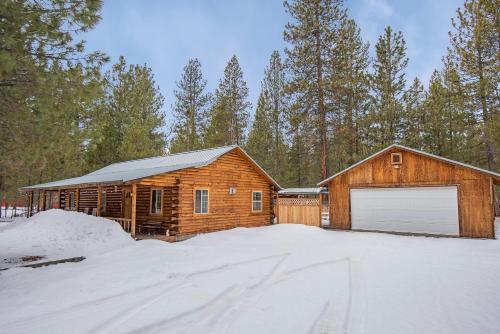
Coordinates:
305	211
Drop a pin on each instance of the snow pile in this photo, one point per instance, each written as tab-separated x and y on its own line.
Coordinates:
58	234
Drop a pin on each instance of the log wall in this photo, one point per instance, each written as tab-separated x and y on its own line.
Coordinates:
475	189
114	199
225	210
87	199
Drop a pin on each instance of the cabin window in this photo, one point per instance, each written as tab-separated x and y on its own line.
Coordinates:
156	201
71	200
201	201
396	158
256	201
103	201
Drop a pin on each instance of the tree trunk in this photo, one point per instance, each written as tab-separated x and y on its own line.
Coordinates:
321	104
490	155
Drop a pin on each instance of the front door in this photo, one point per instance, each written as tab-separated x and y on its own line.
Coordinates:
127	204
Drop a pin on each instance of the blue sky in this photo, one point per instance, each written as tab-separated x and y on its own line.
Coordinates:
165	34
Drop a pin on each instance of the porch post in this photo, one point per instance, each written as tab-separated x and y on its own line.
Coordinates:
59	200
133	214
98	212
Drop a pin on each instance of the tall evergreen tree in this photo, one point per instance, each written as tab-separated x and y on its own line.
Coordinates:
413	119
276	106
229	113
190	109
260	139
388	84
311	36
127	124
460	121
436	136
46	83
350	63
476	49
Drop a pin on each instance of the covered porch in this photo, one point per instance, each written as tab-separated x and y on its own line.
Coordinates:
143	210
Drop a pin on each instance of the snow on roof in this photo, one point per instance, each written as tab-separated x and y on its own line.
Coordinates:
481	170
301	191
141	168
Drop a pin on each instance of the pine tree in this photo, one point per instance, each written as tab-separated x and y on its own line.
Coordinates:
447	127
350	62
46	83
260	139
435	133
460	122
311	36
230	111
476	50
388	84
276	106
216	132
127	122
413	118
302	169
190	109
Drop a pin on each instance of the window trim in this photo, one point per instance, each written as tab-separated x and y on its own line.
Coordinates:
103	201
70	206
254	201
152	190
208	200
400	158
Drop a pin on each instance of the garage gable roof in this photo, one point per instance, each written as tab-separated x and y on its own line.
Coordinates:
137	169
453	162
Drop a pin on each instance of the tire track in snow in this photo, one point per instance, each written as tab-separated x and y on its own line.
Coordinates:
149	301
325	322
215	308
354	322
221	323
167	286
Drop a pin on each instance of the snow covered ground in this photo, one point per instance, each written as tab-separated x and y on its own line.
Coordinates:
275	279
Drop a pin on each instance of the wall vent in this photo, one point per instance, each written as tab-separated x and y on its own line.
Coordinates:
396	159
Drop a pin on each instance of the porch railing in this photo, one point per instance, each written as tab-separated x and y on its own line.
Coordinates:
125	223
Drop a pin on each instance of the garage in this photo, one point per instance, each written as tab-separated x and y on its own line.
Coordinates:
401	189
425	210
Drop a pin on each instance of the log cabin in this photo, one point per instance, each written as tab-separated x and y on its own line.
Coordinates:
169	197
400	189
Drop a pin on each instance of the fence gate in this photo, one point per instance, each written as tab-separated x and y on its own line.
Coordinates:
305	211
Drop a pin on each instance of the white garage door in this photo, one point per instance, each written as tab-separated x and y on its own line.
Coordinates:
432	210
